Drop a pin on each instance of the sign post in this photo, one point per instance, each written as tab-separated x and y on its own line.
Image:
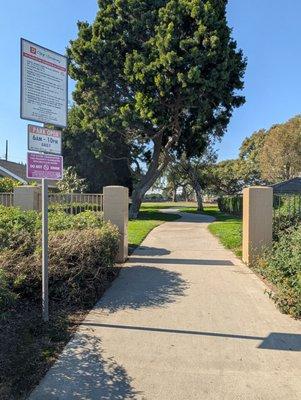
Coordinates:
44	98
45	302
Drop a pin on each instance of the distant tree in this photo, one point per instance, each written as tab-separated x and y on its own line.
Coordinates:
249	152
226	177
280	158
191	172
196	172
162	74
71	182
174	179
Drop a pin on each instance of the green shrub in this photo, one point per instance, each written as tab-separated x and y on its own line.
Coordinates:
82	249
283	224
79	264
282	267
230	204
7	297
17	228
7	185
21	229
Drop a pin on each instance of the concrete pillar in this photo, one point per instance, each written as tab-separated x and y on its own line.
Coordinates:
116	210
27	197
257	221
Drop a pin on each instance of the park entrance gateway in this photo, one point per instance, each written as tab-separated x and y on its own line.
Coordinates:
44	99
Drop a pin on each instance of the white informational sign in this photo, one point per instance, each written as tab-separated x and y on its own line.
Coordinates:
44	78
44	140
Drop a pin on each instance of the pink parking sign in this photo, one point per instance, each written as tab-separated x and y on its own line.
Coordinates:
46	166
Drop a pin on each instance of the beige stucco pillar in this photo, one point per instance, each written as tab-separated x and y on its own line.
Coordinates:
27	197
257	221
116	210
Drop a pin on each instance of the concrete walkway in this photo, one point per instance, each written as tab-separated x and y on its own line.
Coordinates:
184	320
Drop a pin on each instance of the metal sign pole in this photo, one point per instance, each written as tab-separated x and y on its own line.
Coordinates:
45	250
44	89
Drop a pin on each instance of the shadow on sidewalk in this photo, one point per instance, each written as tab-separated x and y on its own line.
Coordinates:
83	373
181	261
143	286
274	341
151	251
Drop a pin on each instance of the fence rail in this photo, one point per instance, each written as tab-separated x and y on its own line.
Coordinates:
7	199
286	212
73	203
287	204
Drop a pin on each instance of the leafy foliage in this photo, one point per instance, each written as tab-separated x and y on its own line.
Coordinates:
282	266
287	214
17	228
71	182
7	296
20	230
98	160
7	185
280	158
230	204
227	177
249	153
163	76
81	249
78	264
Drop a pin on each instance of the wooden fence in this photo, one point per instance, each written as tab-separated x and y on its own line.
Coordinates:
7	199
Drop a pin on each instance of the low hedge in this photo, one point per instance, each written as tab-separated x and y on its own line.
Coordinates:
22	228
282	267
230	204
79	262
82	249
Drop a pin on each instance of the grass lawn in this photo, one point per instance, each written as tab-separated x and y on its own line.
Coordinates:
229	232
227	228
149	217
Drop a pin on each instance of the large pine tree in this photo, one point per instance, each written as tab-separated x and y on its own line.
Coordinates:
158	73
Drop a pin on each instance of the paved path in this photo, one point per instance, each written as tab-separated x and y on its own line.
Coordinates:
184	320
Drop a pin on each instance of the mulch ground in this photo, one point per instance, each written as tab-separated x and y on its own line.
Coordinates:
29	347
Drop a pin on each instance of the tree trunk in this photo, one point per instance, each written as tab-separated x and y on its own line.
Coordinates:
184	193
157	166
198	193
195	183
160	160
137	197
174	195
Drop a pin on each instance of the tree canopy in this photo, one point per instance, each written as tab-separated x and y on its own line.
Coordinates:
249	153
280	157
227	177
162	76
98	160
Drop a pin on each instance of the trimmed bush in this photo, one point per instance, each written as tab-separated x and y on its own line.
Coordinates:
82	250
282	267
79	265
20	229
230	204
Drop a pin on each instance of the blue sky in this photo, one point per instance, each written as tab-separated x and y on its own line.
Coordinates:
268	31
